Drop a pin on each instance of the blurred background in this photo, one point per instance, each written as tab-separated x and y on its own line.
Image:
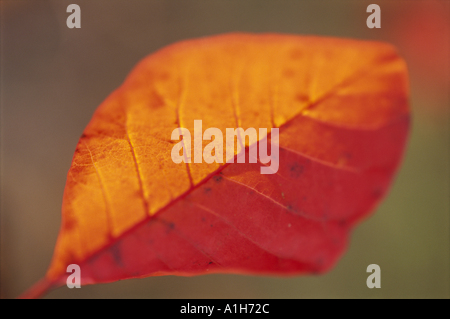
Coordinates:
53	78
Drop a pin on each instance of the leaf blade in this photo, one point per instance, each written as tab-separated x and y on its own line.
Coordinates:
125	148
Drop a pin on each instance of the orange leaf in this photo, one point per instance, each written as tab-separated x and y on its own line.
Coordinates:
130	211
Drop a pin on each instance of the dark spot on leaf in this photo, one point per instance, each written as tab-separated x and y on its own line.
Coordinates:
117	256
217	179
100	131
296	170
292	208
377	192
210	263
155	100
346	155
92	260
169	226
207	190
302	98
70	222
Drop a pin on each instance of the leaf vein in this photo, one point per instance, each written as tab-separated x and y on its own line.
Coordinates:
138	172
104	192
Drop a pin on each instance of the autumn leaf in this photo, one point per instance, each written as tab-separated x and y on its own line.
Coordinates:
130	211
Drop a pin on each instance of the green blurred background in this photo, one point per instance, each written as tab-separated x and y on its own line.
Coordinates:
53	78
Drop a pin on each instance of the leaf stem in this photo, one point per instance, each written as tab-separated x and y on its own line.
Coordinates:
38	289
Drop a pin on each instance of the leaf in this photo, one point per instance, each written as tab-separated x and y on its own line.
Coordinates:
130	211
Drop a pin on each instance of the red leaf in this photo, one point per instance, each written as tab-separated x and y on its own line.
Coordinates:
130	211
